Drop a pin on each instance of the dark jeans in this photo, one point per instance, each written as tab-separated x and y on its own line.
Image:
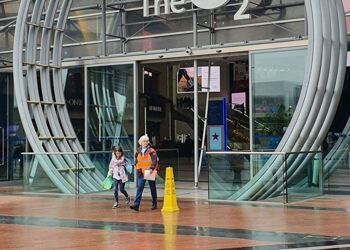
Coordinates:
122	189
140	186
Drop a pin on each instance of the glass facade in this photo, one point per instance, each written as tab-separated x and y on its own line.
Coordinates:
276	79
260	89
110	107
127	30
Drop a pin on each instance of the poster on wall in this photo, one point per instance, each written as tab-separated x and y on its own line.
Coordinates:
185	79
346	4
238	100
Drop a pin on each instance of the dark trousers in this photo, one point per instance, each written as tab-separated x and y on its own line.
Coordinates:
122	189
140	186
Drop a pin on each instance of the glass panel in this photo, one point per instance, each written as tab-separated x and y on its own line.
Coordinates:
9	9
74	96
82	29
6	42
114	47
80	51
50	173
169	158
60	172
3	124
100	161
110	107
337	170
3	167
336	146
229	173
277	78
304	175
12	138
137	25
161	43
15	136
256	33
261	12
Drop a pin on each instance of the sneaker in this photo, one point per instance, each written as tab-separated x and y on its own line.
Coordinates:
127	200
133	207
154	206
115	205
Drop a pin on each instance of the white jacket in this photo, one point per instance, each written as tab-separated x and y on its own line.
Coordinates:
117	169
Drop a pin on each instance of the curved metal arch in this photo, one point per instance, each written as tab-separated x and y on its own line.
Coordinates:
21	95
92	175
336	75
50	130
334	86
326	84
321	92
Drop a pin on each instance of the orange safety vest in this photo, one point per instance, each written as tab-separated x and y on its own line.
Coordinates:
144	161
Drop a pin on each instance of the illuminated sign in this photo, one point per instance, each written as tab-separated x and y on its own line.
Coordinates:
177	6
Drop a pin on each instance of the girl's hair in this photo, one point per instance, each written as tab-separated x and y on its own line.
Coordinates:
119	149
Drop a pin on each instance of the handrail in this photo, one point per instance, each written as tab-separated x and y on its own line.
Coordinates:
50	153
70	153
258	152
166	149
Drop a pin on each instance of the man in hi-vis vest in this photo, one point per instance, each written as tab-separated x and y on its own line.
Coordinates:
146	160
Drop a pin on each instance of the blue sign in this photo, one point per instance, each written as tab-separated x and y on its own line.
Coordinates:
215	112
217	117
216	138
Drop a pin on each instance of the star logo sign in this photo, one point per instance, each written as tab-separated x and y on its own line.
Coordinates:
215	137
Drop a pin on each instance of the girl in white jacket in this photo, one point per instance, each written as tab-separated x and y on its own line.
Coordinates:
117	171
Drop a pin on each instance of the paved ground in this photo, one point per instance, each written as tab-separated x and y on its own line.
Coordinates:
30	221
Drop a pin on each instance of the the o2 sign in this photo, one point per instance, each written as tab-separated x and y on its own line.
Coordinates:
177	6
209	4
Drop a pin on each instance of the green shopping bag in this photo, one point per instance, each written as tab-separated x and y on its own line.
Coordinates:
107	183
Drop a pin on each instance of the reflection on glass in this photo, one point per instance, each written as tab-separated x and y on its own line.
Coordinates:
282	177
304	171
228	174
277	78
110	107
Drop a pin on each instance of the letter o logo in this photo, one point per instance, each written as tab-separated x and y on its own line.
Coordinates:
209	4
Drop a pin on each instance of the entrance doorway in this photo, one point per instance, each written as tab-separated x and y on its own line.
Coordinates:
167	108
